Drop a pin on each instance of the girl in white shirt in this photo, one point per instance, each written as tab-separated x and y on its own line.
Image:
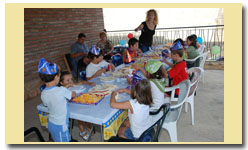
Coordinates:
138	110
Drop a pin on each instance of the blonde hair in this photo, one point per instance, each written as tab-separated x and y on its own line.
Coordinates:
155	21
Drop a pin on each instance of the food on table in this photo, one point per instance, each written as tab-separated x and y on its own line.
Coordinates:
103	89
122	72
110	78
153	54
87	99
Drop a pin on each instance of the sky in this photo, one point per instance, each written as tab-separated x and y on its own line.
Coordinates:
130	18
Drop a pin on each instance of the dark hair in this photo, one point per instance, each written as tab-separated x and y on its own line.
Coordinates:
158	75
178	52
143	86
102	33
92	56
80	35
63	74
193	40
47	77
180	40
132	41
194	36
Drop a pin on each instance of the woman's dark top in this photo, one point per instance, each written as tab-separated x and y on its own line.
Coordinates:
146	36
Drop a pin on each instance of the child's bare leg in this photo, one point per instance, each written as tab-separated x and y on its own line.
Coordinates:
89	127
81	125
126	123
121	132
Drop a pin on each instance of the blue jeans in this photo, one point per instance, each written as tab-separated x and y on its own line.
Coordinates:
74	67
144	48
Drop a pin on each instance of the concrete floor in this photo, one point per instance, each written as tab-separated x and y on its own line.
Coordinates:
209	115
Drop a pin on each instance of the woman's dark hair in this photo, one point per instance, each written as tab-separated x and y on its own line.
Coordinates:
157	75
102	33
178	52
142	92
194	36
193	40
92	56
132	41
80	35
180	40
63	74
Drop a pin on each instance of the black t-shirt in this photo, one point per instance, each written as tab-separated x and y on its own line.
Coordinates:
146	36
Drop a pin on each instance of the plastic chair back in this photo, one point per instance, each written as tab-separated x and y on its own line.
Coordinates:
175	110
203	59
152	133
195	73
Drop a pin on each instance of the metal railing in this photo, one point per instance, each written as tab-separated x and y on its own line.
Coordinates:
211	35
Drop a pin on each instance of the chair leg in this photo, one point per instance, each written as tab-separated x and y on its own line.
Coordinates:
192	111
172	130
186	106
191	103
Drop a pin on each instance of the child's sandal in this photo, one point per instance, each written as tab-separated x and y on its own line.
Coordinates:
85	135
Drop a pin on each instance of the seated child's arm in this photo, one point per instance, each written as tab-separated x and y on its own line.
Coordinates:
124	55
119	105
124	91
73	94
168	63
165	73
137	67
99	72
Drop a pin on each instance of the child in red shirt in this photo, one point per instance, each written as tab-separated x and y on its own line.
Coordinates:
178	72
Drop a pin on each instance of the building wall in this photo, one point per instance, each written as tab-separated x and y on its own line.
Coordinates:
49	33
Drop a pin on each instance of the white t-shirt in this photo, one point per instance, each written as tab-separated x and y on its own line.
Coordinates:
55	98
157	96
93	68
139	120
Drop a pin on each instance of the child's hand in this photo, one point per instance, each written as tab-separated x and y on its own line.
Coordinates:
92	83
69	85
129	80
121	91
135	66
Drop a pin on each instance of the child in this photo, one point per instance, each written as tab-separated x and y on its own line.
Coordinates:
138	110
131	51
154	71
67	81
197	45
55	98
192	51
168	61
97	65
178	72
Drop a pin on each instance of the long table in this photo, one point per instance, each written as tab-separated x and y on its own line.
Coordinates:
101	114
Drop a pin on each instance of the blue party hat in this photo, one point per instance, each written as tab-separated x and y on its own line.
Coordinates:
177	46
46	67
94	50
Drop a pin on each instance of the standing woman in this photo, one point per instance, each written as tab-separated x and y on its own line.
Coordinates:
147	30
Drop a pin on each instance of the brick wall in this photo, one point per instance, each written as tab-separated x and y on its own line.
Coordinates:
49	33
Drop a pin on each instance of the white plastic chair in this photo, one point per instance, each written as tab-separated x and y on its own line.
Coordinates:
203	58
170	123
196	73
201	49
